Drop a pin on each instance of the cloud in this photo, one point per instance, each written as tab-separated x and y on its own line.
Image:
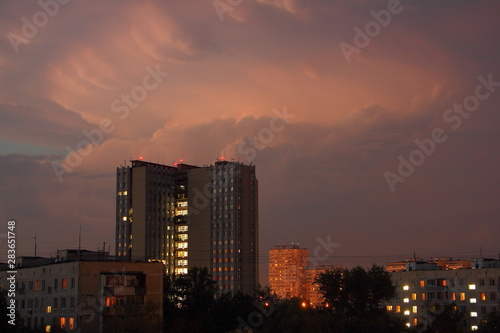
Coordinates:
324	170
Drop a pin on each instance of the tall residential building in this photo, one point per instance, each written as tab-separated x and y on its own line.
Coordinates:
291	276
186	216
287	271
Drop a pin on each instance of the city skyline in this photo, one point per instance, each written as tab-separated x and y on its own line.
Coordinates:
373	125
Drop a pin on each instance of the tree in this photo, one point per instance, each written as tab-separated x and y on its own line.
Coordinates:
356	296
356	292
133	318
188	299
492	324
332	285
444	318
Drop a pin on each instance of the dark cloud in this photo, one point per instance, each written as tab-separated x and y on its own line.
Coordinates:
322	174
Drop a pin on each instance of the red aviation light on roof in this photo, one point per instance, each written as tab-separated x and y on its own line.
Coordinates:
141	158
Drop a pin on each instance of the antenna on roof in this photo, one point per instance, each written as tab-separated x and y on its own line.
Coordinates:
80	243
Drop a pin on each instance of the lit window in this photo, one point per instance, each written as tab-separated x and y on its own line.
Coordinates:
49	309
473	314
413	296
125	192
110	301
406	300
462	296
473	300
62	322
64	283
483	296
389	307
453	296
406	287
124	218
472	287
181	270
407	312
398	308
183	245
422	283
474	328
408	325
414	309
415	321
422	296
48	328
71	323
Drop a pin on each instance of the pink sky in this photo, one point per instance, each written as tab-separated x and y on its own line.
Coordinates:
322	174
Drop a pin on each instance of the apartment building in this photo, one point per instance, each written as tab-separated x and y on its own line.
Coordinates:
423	290
287	271
290	274
186	216
79	296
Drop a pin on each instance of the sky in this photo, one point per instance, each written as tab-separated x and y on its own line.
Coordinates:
373	125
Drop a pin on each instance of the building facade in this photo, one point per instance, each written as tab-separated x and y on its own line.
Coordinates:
290	274
287	271
79	296
422	292
186	216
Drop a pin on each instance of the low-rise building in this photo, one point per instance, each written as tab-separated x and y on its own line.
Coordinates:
424	293
80	295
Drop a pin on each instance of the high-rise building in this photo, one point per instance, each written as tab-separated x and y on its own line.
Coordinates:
290	274
287	271
186	216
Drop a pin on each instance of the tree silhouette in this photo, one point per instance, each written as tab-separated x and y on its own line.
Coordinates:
356	292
